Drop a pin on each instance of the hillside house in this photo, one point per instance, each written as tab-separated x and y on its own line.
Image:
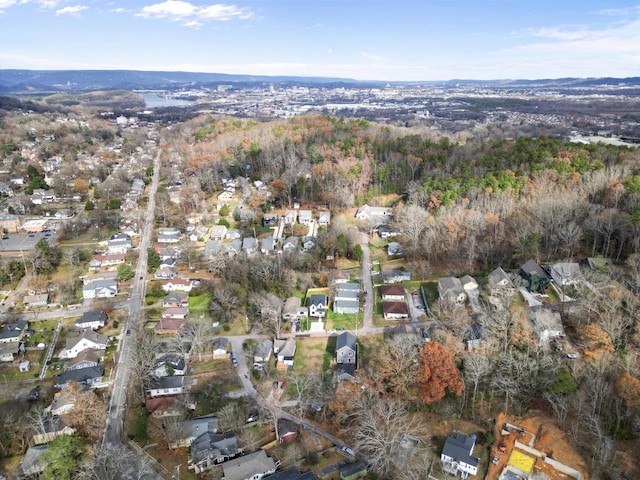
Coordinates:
457	455
324	218
262	353
567	273
13	332
499	280
450	289
536	278
375	214
177	284
190	430
291	309
290	217
305	217
546	324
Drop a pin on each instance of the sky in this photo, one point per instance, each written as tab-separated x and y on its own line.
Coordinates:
388	40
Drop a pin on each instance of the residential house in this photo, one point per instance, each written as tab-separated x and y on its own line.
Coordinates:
324	218
598	264
546	323
290	217
308	243
169	238
353	471
233	234
218	232
392	293
13	332
166	406
469	283
339	276
211	249
63	402
249	245
176	299
177	284
387	232
211	449
168	326
394	249
51	428
450	289
457	455
104	288
34	462
88	340
285	350
221	347
175	312
346	348
198	234
346	298
128	205
499	280
291	309
395	310
286	430
292	473
118	244
233	248
566	273
226	195
165	386
305	217
93	320
262	353
536	278
346	372
37	300
254	466
10	351
267	245
270	220
107	261
165	272
395	276
187	432
169	364
89	376
318	305
474	337
290	244
375	214
85	359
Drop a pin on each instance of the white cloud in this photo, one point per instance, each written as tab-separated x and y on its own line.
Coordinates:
72	10
6	3
194	16
375	58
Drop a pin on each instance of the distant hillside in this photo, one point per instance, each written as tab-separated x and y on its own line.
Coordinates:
47	81
37	81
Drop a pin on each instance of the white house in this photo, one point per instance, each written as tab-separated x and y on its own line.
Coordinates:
565	273
88	340
254	466
176	285
457	455
93	319
164	386
105	288
318	305
285	350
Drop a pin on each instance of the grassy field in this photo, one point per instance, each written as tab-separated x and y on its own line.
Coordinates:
314	355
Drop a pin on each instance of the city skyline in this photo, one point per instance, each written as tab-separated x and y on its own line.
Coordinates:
403	40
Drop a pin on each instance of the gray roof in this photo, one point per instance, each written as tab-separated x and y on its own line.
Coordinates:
214	445
92	316
175	381
318	299
13	330
351	469
81	375
346	305
459	447
264	348
349	286
220	343
532	268
246	467
292	473
90	335
346	339
33	461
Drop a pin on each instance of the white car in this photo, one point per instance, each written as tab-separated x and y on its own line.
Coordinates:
331	332
573	356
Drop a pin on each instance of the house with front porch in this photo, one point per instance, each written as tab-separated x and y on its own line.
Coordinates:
457	455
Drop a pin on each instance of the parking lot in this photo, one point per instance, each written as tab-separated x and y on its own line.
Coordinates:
24	241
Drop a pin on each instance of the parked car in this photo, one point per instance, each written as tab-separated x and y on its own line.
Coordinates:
573	356
348	451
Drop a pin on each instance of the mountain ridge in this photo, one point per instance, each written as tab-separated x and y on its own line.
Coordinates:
34	81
